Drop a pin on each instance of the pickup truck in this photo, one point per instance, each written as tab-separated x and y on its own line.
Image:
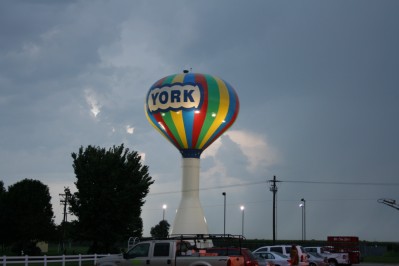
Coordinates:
169	252
334	259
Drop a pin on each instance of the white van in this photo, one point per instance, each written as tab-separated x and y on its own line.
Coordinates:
286	250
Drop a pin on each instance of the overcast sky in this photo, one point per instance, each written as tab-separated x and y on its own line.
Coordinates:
318	88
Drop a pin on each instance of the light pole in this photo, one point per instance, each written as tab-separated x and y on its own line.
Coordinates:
303	206
224	217
163	211
242	222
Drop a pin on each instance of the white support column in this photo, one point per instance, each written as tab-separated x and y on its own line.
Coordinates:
190	217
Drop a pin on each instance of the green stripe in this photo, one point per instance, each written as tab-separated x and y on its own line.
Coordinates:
167	118
213	106
168	79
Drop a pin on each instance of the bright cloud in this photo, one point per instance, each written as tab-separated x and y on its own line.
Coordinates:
92	101
142	155
129	129
212	149
255	147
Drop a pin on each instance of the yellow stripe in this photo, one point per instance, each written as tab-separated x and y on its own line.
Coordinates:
178	116
222	111
178	78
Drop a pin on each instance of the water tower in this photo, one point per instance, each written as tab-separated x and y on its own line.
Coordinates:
191	110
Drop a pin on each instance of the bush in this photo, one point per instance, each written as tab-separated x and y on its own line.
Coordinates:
23	248
102	249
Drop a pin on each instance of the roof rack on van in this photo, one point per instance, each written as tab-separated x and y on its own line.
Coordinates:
206	236
220	239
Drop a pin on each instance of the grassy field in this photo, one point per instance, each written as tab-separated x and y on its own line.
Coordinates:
388	258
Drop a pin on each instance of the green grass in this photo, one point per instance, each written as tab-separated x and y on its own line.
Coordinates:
54	250
388	258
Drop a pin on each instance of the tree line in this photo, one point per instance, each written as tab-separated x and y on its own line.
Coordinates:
111	188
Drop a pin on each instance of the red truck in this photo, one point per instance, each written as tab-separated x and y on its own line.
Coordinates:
345	244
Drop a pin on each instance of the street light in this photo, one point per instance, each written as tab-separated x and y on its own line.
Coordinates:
303	206
163	212
224	217
242	221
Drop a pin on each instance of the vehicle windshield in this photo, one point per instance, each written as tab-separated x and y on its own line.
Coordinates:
314	254
140	250
281	255
251	255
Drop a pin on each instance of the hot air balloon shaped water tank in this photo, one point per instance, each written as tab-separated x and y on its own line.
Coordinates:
191	110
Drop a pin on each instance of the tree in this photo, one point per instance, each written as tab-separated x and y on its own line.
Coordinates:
161	229
3	216
29	215
112	185
2	188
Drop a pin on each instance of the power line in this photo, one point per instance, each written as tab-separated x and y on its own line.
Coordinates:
282	181
210	188
342	183
262	202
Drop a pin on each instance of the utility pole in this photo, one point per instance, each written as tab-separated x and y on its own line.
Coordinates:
64	202
273	188
224	216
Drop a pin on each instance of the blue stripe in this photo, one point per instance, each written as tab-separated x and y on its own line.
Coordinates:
188	116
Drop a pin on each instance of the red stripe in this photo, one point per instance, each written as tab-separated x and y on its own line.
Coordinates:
200	118
159	82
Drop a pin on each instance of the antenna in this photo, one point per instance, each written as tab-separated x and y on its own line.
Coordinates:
185	71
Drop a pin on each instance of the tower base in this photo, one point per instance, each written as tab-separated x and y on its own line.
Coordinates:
190	217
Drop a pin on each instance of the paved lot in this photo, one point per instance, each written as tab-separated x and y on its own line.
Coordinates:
377	264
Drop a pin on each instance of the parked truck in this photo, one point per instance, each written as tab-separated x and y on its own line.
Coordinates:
333	259
346	244
171	252
342	250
